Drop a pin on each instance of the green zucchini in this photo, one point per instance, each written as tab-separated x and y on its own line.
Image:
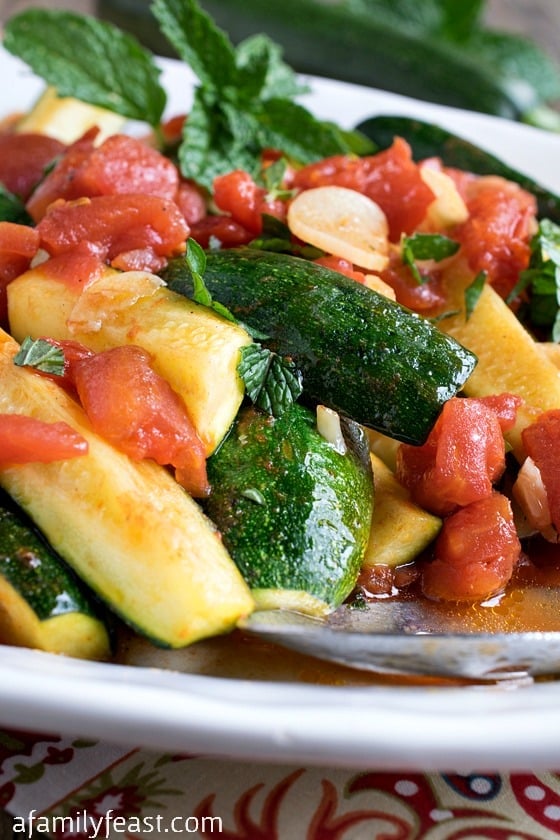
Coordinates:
42	605
359	353
294	513
336	40
429	140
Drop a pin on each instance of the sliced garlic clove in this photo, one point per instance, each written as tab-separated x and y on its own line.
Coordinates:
342	222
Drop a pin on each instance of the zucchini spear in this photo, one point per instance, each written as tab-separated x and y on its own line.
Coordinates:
126	528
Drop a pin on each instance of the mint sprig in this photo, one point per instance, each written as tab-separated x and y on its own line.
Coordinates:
244	102
542	279
272	383
40	355
88	59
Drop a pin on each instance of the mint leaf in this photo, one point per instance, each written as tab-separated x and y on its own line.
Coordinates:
262	72
473	292
198	41
88	59
272	383
426	246
196	261
12	208
289	127
542	278
41	355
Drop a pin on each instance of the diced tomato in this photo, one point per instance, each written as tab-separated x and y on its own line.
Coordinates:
496	236
121	165
475	552
172	129
23	160
542	443
505	407
220	230
461	460
395	183
425	297
137	411
25	440
18	246
74	352
342	266
76	268
191	201
59	181
237	193
115	224
390	178
337	170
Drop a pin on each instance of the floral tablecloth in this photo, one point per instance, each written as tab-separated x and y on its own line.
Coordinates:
73	788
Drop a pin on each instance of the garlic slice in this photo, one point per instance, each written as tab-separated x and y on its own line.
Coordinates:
342	222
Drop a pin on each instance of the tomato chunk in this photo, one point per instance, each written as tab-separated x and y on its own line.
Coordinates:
137	411
496	236
462	458
221	230
475	552
237	193
23	160
25	440
542	443
120	165
115	224
18	246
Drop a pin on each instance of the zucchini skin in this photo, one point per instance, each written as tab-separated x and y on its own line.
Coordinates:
359	353
39	577
294	513
429	140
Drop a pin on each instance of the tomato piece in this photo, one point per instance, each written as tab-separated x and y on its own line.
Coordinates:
18	246
221	230
23	160
425	297
74	352
394	181
237	193
138	412
76	268
338	170
58	182
121	165
462	458
115	224
191	201
25	440
390	178
475	552
496	236
342	266
504	406
541	441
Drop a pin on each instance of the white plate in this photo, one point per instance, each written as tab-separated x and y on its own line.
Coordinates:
387	727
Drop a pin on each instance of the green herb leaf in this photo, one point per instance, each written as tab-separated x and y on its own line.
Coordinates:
41	355
88	59
196	261
426	246
542	278
473	292
272	383
12	208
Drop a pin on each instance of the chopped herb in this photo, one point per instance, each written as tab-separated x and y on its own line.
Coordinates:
542	278
40	355
273	177
196	261
473	292
12	208
426	246
272	383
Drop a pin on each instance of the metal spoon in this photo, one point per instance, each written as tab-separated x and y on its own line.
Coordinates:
423	639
